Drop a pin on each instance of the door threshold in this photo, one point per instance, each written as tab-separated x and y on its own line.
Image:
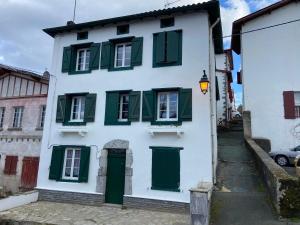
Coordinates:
118	206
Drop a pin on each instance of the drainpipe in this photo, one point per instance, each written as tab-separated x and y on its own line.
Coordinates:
212	115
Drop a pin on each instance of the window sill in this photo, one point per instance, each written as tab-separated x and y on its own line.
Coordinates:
120	68
166	130
74	130
14	129
119	123
166	189
79	72
157	65
68	181
174	123
74	123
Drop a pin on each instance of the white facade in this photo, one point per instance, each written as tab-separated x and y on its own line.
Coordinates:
270	66
198	138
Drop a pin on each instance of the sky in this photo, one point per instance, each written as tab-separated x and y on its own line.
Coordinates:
25	45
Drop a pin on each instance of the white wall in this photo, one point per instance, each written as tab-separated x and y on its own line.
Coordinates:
222	82
270	62
196	158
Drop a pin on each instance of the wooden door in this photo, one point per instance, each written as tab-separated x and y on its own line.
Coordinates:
115	177
29	172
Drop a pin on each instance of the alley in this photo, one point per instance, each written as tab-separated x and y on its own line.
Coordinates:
240	198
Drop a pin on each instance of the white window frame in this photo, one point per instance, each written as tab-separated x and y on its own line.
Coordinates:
72	164
2	112
123	54
42	116
80	99
18	117
121	108
168	106
85	67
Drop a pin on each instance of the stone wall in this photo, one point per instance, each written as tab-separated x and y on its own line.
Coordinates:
283	189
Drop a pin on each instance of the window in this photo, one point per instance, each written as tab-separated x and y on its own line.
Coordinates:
18	116
123	107
2	112
165	168
123	29
167	48
167	22
10	167
167	105
297	104
42	116
83	59
77	109
123	55
82	35
71	164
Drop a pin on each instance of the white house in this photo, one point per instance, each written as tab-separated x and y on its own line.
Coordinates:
224	66
126	121
268	43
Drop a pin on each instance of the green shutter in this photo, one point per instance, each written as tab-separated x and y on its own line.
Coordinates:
165	168
57	161
111	108
217	90
173	46
159	41
73	59
84	164
106	55
90	107
94	56
134	106
66	61
137	51
185	104
148	106
61	108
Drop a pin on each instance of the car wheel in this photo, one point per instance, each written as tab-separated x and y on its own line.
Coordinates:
281	160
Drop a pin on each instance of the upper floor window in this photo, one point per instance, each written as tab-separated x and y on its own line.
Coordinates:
123	55
2	112
123	107
77	109
71	164
123	29
82	35
167	22
167	106
83	59
297	104
18	116
42	116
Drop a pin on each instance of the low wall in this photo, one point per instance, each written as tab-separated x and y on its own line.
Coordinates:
18	200
284	190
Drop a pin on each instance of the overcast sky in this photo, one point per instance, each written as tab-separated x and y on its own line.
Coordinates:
24	44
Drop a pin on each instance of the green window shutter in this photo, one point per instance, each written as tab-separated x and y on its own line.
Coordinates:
61	108
84	164
106	55
165	168
159	41
111	108
148	106
134	106
90	107
185	104
57	160
66	61
217	90
137	51
95	56
174	46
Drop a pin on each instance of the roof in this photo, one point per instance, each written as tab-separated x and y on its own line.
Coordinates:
237	25
6	68
212	7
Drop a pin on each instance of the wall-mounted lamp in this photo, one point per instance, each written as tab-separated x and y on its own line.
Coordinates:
204	83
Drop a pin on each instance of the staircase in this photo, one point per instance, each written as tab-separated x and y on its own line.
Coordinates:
236	125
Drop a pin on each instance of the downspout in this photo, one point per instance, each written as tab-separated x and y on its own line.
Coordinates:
212	115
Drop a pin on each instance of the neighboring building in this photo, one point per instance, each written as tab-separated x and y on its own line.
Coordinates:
224	64
23	97
126	120
270	52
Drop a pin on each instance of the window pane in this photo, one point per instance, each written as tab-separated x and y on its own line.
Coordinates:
162	114
127	55
69	154
87	60
77	154
82	108
69	162
68	172
297	98
76	172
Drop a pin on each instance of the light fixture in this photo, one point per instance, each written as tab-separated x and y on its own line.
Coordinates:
204	83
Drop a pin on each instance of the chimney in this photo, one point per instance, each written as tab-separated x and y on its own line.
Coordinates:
46	74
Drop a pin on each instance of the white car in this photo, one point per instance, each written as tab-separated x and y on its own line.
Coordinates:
284	158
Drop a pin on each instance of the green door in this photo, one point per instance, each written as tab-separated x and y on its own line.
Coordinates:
115	176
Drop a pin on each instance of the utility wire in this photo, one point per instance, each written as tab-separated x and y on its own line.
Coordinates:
262	28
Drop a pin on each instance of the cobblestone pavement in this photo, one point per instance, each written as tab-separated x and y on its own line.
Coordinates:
49	213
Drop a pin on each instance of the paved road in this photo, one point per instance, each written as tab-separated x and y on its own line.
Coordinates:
241	198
